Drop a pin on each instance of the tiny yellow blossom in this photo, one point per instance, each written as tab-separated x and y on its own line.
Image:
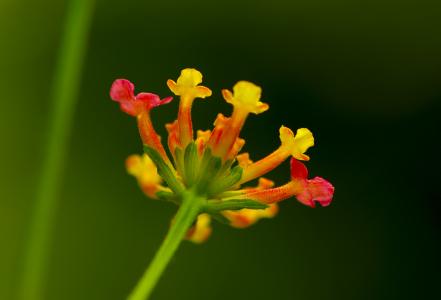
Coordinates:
244	160
187	87
246	97
145	172
201	231
296	144
291	145
188	84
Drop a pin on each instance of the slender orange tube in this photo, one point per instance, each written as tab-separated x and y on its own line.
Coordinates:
149	136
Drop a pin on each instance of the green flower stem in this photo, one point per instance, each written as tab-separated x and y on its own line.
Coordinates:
187	213
63	99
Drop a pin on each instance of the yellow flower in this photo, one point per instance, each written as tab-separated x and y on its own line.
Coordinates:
201	231
245	100
296	144
145	172
291	145
246	97
188	84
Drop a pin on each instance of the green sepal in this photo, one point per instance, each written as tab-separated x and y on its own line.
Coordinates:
208	170
224	183
164	170
226	166
191	164
213	206
179	159
168	196
164	195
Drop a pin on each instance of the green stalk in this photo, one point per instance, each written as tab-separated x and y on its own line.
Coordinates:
63	99
187	213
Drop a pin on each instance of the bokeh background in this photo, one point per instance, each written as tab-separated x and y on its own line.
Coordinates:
364	76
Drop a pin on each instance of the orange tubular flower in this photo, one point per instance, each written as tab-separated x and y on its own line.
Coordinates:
202	140
187	87
291	145
139	106
208	169
307	191
245	100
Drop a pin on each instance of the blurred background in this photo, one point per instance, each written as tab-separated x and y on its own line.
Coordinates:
364	76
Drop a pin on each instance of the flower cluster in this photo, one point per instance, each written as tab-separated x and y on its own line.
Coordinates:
211	163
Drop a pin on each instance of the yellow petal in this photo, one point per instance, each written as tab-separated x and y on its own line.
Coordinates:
203	135
201	231
244	160
296	144
202	92
237	146
246	96
247	217
202	140
187	84
265	183
190	77
173	86
145	172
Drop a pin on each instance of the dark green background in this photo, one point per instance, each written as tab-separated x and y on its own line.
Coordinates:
364	76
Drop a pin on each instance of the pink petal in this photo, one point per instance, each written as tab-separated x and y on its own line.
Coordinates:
305	198
166	100
298	169
322	190
317	190
129	107
151	100
122	90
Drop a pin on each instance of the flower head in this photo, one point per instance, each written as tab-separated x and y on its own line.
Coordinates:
210	165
